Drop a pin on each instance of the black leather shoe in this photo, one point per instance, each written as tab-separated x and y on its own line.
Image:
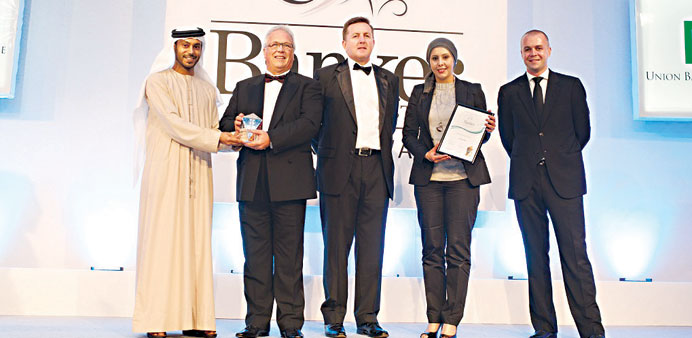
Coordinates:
252	332
372	330
291	333
334	330
199	333
543	334
597	336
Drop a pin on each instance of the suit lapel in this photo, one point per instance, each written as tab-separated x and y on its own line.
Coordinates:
382	87
551	95
424	112
526	98
343	78
257	90
461	93
288	89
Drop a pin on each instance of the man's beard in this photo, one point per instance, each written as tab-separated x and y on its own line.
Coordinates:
184	65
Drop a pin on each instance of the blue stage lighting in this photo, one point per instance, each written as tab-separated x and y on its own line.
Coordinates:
120	268
645	280
632	240
108	231
516	278
227	244
509	252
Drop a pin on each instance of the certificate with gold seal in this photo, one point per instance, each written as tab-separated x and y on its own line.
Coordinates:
464	133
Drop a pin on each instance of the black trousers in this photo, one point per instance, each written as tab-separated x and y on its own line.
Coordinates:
272	234
567	216
446	214
360	211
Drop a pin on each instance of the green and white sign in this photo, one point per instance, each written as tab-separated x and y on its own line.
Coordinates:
688	42
661	59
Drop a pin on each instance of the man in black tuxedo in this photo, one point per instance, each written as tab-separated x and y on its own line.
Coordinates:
275	178
355	174
544	139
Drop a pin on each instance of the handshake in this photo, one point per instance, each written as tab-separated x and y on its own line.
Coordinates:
230	139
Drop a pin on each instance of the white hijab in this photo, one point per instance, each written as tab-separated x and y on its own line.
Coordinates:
165	60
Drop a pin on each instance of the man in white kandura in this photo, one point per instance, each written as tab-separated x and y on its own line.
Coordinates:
179	115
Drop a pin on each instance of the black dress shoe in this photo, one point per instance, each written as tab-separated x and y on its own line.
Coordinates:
372	330
252	332
291	333
199	333
334	330
544	334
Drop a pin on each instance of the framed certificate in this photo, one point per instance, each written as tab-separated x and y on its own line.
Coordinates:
464	133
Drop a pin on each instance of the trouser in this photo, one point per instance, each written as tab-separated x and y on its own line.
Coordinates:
272	234
446	214
567	216
360	211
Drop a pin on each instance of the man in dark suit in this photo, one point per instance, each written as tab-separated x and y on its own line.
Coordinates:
355	174
544	139
275	177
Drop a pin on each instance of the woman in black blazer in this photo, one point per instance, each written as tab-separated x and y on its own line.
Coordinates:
446	189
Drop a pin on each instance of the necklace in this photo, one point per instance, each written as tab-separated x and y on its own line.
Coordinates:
444	95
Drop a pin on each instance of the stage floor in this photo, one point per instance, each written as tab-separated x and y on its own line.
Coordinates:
98	327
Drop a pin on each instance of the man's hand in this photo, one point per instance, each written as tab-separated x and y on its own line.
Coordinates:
238	122
434	157
490	123
261	140
230	139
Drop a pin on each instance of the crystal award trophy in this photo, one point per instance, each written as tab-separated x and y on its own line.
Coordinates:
250	122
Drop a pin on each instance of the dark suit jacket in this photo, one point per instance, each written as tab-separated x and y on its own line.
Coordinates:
417	138
295	121
336	141
559	137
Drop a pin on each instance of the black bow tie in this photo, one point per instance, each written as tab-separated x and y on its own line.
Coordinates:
366	70
269	78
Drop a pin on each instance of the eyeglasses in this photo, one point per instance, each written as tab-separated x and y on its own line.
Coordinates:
276	45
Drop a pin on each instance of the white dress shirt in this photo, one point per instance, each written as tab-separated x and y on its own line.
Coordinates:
544	82
271	94
366	101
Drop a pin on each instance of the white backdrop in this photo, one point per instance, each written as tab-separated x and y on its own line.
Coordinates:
403	29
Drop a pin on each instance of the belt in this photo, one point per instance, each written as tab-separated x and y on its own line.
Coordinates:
365	151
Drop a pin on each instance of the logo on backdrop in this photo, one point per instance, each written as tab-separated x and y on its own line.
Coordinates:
318	57
682	75
399	10
688	42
